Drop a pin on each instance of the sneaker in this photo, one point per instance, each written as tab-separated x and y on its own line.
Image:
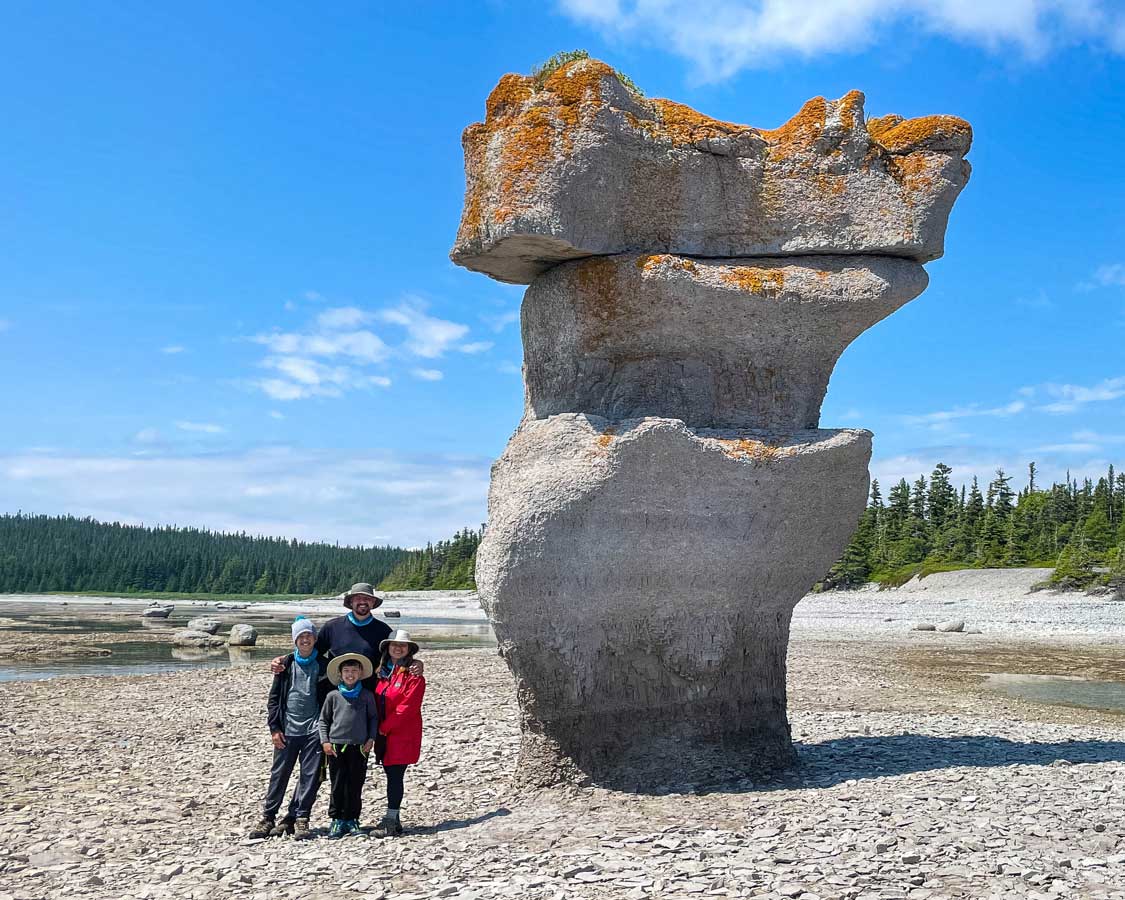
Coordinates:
351	826
263	829
285	826
336	829
301	830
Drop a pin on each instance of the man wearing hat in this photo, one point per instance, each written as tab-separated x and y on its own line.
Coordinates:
358	631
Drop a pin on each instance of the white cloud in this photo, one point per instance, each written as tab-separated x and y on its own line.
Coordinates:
427	374
963	412
1071	397
343	317
1073	447
982	463
5	324
325	495
148	436
274	414
1110	275
476	347
428	336
737	34
172	349
200	427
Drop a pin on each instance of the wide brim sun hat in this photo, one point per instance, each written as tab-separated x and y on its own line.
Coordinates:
337	661
399	637
366	590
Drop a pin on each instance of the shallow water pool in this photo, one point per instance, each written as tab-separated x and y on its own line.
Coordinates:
1061	690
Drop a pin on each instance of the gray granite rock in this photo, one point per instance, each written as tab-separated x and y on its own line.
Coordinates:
952	626
717	343
580	165
205	624
196	639
640	577
243	636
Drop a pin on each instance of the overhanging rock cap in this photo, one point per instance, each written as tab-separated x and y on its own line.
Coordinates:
579	165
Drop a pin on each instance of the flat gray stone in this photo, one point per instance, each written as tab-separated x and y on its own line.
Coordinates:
581	166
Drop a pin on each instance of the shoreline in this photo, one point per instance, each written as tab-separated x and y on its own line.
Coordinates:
908	785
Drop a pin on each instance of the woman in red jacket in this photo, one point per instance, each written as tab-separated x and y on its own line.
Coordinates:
398	694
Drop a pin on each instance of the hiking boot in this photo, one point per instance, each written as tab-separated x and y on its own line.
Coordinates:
336	829
285	826
387	827
301	830
263	829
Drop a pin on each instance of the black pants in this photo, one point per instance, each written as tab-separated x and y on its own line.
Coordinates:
395	790
306	750
347	770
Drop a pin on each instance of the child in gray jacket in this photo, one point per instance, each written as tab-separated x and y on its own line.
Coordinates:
349	724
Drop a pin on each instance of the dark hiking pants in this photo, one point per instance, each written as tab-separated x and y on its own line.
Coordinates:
304	749
348	771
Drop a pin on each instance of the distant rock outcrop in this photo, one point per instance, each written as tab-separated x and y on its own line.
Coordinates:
668	496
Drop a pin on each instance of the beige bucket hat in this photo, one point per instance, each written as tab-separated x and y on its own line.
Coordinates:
334	666
399	637
362	587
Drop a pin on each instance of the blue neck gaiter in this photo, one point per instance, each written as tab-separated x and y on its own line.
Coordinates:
360	622
350	693
305	660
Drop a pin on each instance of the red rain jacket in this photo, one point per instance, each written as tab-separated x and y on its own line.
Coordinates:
401	698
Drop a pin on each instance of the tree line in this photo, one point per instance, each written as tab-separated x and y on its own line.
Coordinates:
929	525
446	565
63	553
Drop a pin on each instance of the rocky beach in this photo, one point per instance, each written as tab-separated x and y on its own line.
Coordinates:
915	780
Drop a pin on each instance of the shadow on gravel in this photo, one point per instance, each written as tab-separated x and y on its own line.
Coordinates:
453	824
832	762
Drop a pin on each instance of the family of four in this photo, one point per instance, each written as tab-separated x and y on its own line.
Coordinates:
353	690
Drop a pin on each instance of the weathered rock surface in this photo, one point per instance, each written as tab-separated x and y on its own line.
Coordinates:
243	636
581	166
666	500
667	616
198	639
205	624
951	626
716	343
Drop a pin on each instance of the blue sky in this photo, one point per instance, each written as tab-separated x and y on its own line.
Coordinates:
225	297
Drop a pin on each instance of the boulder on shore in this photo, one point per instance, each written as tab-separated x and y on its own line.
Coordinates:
952	626
243	636
196	639
206	624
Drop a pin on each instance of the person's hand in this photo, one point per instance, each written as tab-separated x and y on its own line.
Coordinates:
417	667
278	740
368	746
329	750
276	665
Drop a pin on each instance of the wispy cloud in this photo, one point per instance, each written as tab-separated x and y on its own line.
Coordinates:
148	436
337	351
326	495
1109	275
964	412
5	325
172	349
200	427
428	337
738	34
1072	397
499	321
274	414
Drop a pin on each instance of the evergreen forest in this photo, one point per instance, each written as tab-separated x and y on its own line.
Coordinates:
63	553
930	526
446	565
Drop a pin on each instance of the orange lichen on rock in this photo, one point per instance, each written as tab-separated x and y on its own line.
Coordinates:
913	171
851	109
939	133
758	451
606	438
597	280
800	132
506	99
682	125
654	261
754	279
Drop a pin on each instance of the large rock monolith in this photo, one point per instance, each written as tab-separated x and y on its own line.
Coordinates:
669	496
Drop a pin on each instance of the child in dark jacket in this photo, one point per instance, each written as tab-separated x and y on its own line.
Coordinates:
293	715
349	724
